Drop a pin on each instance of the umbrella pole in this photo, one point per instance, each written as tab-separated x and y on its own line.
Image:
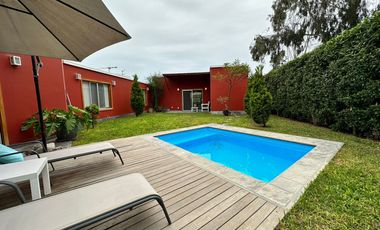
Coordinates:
36	66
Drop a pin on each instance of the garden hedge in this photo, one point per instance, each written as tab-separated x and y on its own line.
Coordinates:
336	85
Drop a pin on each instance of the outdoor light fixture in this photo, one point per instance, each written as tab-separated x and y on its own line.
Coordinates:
113	83
147	88
78	76
205	88
177	89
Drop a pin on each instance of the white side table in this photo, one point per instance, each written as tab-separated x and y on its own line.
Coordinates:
28	170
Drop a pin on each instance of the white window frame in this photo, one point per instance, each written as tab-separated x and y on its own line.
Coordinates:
98	94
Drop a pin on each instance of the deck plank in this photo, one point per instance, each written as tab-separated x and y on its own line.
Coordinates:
243	215
178	214
272	220
230	212
202	209
216	210
194	197
255	220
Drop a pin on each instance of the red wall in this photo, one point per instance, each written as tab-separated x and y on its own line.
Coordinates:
220	89
19	97
120	93
172	99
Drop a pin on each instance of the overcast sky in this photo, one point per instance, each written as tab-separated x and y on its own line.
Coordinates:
182	35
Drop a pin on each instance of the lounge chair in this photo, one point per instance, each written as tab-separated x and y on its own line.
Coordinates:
69	153
205	107
81	207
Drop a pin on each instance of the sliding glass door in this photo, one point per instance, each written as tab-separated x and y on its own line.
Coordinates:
191	98
197	98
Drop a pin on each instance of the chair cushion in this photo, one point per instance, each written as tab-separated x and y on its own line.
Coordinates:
4	150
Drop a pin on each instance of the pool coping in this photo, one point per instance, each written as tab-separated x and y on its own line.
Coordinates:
285	189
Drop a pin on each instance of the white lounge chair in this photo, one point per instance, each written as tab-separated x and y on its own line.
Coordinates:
72	152
81	207
205	107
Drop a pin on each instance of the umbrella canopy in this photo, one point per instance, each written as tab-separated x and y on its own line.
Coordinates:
67	29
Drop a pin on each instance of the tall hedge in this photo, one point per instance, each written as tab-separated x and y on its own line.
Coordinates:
336	85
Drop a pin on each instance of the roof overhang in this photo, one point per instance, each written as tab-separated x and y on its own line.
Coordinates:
193	74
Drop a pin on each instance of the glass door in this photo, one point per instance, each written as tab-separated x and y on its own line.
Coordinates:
197	98
187	100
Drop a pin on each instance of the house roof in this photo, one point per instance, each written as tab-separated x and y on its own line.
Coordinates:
193	74
76	64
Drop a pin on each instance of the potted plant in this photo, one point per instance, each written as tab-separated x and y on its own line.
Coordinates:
224	101
64	124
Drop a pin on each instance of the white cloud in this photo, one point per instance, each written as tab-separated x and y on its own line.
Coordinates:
182	35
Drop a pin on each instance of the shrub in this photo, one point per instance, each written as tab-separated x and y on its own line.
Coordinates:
336	85
258	100
156	86
137	98
93	110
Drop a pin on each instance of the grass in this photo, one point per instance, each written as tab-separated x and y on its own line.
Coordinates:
345	195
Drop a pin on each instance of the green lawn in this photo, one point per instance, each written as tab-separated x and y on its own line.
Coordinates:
346	195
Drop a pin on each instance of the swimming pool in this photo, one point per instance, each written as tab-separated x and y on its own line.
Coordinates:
259	157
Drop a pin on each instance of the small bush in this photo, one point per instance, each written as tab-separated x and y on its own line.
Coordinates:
137	98
93	110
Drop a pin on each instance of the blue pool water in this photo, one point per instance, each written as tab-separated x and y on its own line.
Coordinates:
259	157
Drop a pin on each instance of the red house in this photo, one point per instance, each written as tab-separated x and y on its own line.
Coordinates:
61	83
182	91
64	83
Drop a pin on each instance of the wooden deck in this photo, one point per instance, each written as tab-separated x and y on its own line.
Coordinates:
195	198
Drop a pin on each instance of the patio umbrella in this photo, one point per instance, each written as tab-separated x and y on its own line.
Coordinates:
67	29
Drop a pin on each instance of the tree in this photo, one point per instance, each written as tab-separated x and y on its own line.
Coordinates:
137	98
156	86
258	101
234	74
298	25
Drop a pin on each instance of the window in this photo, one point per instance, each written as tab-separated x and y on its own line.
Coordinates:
96	93
144	95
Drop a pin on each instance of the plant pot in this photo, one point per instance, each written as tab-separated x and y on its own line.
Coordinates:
63	135
226	112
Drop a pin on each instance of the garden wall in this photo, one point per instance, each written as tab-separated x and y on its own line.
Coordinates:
336	85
